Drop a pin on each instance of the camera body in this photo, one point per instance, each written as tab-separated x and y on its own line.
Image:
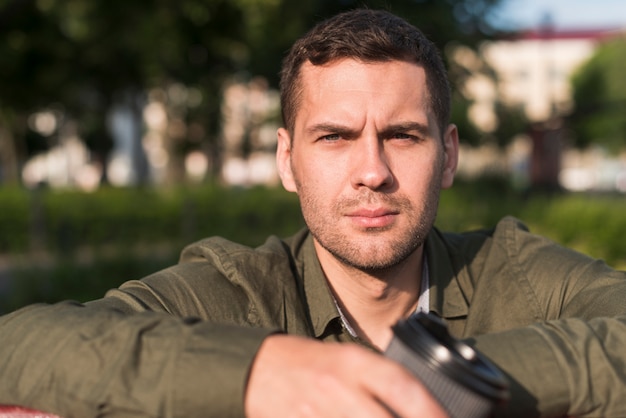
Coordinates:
464	382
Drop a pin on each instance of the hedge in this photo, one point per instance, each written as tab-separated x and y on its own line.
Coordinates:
67	244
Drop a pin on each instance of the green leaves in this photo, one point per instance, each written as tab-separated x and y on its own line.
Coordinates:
82	55
600	97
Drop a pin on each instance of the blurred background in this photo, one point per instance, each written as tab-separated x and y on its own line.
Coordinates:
130	129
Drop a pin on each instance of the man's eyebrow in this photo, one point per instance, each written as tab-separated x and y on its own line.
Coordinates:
421	128
418	127
328	127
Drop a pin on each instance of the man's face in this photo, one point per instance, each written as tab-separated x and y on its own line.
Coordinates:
367	160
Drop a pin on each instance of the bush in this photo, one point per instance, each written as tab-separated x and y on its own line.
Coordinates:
594	225
63	222
15	220
76	279
71	245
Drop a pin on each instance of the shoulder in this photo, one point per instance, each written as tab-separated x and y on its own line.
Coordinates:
509	240
219	279
507	226
235	259
524	276
512	246
470	249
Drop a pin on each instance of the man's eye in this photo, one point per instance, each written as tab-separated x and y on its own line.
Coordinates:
401	135
331	137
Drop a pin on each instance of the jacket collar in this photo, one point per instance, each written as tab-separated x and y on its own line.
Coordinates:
321	305
450	286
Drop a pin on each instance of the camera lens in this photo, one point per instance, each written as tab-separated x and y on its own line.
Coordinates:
464	382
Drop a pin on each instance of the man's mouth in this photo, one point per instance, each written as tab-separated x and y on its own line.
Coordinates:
373	218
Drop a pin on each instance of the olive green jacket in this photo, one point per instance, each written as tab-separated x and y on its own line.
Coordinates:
179	343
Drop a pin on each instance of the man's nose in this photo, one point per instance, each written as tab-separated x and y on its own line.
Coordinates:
369	164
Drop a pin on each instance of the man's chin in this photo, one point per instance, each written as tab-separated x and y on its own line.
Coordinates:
374	258
374	249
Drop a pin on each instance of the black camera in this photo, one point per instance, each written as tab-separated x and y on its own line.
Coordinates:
464	382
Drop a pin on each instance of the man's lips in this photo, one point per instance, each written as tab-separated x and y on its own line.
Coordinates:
372	218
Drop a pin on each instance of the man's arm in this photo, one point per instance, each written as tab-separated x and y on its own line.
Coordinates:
571	360
568	367
80	362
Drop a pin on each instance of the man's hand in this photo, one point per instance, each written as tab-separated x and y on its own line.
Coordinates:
299	377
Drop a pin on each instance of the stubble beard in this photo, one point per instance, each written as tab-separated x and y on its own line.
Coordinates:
371	251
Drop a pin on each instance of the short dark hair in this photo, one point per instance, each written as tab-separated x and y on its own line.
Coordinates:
369	36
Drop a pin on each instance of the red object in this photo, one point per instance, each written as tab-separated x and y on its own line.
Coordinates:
11	411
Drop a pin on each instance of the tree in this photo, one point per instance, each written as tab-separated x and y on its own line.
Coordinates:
272	26
600	98
82	57
85	56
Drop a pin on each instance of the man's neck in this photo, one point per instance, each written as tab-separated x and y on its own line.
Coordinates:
373	302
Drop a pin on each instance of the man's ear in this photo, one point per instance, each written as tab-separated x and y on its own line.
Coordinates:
283	160
451	155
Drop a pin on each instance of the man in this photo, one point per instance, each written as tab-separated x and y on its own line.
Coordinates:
233	331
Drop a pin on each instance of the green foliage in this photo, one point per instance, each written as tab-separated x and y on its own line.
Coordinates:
65	222
14	220
477	204
595	226
82	56
469	133
600	98
70	245
82	281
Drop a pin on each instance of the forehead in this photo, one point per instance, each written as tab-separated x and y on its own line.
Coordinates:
346	69
350	88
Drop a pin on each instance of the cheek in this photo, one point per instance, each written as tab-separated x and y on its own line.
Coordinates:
311	187
420	178
317	192
418	168
317	172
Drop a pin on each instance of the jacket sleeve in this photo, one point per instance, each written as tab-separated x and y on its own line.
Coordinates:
178	343
120	356
571	361
570	367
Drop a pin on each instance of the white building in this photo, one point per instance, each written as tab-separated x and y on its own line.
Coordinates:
533	71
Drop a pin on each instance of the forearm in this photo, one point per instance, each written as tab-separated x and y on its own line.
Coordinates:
566	367
78	361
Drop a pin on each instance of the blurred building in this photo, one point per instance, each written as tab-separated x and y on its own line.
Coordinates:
534	68
532	71
250	112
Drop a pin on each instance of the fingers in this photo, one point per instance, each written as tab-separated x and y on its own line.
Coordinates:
345	400
402	393
392	385
298	377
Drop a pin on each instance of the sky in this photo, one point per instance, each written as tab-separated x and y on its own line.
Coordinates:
565	14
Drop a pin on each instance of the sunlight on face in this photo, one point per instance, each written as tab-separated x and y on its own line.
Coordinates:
366	159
